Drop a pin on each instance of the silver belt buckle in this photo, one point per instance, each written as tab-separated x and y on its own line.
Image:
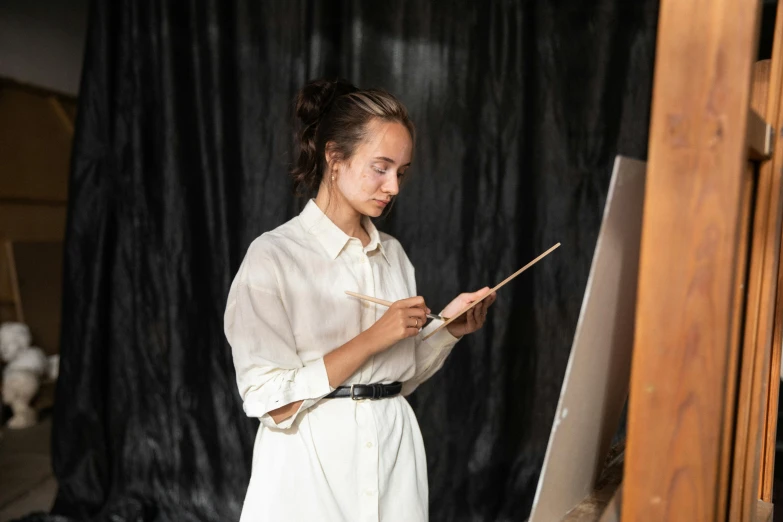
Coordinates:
353	397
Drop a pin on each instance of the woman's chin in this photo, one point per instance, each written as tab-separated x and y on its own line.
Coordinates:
374	210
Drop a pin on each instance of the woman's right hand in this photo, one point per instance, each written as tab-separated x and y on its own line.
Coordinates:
403	319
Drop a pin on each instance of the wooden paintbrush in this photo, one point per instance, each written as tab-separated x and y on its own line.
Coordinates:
388	303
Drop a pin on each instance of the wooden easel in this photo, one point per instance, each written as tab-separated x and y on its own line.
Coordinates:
708	324
706	359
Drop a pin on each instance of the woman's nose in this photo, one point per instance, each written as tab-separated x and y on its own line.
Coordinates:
392	186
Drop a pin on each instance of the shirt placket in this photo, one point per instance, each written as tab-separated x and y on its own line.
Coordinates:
368	429
368	463
368	309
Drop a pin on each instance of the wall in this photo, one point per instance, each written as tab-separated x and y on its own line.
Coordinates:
42	42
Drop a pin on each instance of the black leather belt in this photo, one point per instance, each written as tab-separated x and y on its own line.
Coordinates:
366	391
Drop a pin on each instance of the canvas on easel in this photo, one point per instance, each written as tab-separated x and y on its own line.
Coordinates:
597	377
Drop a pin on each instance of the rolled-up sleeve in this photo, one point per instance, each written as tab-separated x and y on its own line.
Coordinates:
269	372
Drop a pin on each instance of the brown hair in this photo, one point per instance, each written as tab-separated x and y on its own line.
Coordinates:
335	111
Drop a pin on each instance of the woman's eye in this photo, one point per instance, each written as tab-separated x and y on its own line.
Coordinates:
376	169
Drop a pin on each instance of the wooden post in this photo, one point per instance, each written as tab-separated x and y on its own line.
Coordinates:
685	332
754	370
771	313
759	98
771	421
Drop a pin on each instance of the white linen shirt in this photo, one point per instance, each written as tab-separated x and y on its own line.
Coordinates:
335	459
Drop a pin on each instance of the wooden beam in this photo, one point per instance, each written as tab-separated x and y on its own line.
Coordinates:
690	238
9	254
771	314
771	426
749	464
738	320
754	371
759	98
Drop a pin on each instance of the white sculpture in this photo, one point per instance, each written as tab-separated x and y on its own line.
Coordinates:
25	366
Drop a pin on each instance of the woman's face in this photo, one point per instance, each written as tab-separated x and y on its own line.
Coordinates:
371	178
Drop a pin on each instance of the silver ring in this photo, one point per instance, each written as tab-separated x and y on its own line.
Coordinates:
417	321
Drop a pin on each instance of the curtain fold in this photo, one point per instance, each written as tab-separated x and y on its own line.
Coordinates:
183	140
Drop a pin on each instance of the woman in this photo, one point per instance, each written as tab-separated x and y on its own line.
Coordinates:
303	349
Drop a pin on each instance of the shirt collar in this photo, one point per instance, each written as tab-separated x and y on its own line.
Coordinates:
331	237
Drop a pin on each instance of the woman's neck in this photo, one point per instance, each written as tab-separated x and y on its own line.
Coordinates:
341	213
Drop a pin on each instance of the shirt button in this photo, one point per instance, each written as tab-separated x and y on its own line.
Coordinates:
368	492
369	444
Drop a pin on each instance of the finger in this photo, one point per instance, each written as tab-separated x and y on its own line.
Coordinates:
484	311
423	306
471	316
482	297
478	314
416	312
470	297
411	302
478	294
414	322
472	311
481	314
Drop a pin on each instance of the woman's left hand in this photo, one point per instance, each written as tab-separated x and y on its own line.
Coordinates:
474	318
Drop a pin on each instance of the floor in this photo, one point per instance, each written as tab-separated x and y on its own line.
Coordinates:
26	480
28	485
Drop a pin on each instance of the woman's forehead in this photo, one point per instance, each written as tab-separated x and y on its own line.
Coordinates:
388	139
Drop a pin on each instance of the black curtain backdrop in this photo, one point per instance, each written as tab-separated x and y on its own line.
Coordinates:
182	144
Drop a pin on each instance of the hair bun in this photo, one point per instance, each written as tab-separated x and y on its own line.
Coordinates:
316	97
334	113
